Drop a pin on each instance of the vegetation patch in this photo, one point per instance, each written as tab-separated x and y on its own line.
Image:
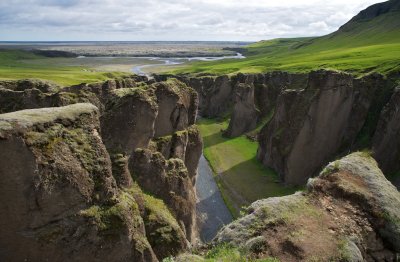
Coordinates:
242	178
365	46
18	64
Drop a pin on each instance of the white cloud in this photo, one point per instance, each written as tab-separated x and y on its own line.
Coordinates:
248	20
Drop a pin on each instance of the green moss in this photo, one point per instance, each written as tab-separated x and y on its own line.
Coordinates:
157	209
344	253
82	145
122	92
229	253
111	220
159	218
331	168
32	117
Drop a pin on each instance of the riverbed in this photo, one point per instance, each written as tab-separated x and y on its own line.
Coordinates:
212	212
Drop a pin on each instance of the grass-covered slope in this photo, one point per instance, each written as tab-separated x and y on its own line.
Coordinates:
19	64
368	42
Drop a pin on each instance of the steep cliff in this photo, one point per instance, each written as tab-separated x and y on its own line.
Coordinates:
311	125
246	98
386	143
60	200
131	117
350	212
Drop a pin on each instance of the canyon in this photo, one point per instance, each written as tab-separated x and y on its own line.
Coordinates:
92	167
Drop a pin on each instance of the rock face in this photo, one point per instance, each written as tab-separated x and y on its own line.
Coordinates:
60	200
173	156
248	98
215	94
177	107
81	187
168	180
350	212
310	125
128	120
255	98
386	143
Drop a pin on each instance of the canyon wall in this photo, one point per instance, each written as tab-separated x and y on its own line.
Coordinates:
307	119
85	166
312	125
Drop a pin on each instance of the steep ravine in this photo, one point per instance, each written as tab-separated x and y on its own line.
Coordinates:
108	171
316	116
117	170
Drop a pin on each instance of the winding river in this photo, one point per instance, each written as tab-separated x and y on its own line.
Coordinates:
212	212
178	61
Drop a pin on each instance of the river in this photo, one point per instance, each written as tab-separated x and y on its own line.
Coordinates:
178	61
211	209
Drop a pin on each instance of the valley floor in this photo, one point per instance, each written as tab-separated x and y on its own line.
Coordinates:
240	176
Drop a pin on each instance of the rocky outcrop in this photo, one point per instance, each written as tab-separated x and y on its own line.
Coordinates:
350	212
245	115
186	145
130	116
59	198
167	179
31	93
177	107
311	125
386	143
255	98
247	98
215	94
128	119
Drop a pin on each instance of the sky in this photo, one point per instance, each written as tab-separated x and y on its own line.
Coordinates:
172	20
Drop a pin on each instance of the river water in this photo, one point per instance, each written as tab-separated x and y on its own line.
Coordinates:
177	61
212	212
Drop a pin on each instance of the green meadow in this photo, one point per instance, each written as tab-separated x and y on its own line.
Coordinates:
240	176
18	64
359	47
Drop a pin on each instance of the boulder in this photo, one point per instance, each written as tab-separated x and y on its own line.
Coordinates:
350	212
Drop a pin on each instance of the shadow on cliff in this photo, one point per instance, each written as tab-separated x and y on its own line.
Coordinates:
249	181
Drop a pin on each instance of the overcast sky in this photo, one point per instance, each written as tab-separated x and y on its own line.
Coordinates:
136	20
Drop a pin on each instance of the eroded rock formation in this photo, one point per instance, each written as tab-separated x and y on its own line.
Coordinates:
350	212
311	125
386	143
86	185
59	198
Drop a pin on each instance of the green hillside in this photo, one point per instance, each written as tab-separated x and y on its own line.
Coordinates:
368	42
19	64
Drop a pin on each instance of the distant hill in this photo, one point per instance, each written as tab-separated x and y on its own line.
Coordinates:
370	41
